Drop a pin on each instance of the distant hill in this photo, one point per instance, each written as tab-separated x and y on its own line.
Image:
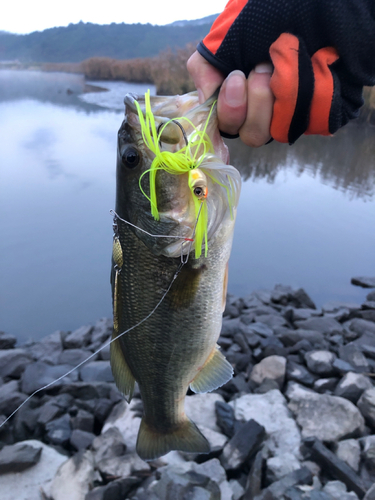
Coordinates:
77	42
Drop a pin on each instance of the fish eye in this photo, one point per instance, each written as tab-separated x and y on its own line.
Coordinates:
130	157
198	191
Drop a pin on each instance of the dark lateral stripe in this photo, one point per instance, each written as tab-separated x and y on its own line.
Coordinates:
301	115
284	84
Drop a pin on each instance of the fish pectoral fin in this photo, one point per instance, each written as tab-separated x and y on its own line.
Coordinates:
121	372
215	373
152	443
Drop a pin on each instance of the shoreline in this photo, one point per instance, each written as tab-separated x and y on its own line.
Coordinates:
298	415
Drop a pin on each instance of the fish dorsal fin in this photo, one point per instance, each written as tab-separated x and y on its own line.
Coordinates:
121	372
215	373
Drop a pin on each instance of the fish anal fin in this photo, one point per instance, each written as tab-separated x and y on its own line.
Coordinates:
186	436
216	372
121	372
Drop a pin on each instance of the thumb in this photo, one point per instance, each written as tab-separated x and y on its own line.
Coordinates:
206	78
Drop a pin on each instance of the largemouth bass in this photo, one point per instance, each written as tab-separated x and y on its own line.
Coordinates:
174	286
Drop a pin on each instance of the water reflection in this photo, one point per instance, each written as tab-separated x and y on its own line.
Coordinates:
302	218
345	161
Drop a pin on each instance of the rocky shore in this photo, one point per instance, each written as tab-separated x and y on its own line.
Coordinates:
297	421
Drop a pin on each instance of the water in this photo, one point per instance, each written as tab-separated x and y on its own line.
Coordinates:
305	216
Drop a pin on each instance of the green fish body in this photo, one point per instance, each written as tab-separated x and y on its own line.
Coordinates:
178	306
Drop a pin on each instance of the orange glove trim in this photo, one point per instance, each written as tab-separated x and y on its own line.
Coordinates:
284	84
222	24
323	91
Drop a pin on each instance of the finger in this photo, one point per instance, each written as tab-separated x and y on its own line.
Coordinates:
206	78
232	103
256	130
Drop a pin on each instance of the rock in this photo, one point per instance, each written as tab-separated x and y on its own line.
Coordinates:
83	421
122	466
87	390
272	367
125	419
254	479
28	485
80	440
369	451
73	357
270	411
337	491
243	445
334	466
49	349
272	320
259	329
18	457
291	337
40	374
328	418
324	324
278	488
50	411
225	418
7	341
10	397
352	385
352	354
281	465
200	408
230	327
366	404
102	331
13	362
59	430
74	478
96	371
115	490
341	366
109	444
363	281
361	326
298	373
79	338
320	362
370	495
325	384
349	451
371	296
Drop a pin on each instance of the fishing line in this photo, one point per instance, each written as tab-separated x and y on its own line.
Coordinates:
177	272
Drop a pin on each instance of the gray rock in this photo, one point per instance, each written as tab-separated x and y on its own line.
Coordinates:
79	338
278	488
115	490
280	466
272	320
59	430
49	349
337	491
123	466
363	281
41	374
329	418
102	330
243	445
87	390
298	373
369	304
127	421
74	478
259	329
10	397
13	362
320	362
295	314
73	357
97	371
7	341
80	440
200	408
49	411
323	325
18	457
225	418
361	326
342	367
291	337
349	451
32	482
369	450
272	368
353	355
105	351
84	421
230	327
352	385
326	384
254	479
109	444
270	410
370	495
366	404
371	296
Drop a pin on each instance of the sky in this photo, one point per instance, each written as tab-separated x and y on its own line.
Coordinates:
25	16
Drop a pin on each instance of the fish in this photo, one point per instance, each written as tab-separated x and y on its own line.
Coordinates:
173	232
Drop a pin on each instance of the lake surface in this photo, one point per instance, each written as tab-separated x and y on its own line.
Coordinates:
306	214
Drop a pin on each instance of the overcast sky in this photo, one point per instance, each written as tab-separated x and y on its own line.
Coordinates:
25	16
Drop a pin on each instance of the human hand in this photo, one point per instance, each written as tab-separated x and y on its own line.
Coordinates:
244	105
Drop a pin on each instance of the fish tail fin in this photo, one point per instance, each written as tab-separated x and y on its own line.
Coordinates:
152	443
